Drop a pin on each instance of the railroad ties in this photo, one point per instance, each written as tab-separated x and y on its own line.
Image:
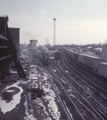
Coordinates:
82	95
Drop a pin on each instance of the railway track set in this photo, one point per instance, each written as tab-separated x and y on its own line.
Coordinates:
63	89
82	96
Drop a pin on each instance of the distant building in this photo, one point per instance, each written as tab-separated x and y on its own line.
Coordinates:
104	52
33	44
15	32
33	47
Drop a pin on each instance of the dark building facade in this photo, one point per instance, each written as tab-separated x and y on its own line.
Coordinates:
8	52
15	32
3	25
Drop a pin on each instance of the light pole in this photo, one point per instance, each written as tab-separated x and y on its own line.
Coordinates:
54	19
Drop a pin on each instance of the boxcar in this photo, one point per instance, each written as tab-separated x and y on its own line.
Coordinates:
92	62
75	56
57	55
102	70
70	52
81	58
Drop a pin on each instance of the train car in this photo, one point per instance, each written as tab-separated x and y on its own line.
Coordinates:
92	61
57	55
102	70
45	58
70	52
81	58
89	61
73	54
76	56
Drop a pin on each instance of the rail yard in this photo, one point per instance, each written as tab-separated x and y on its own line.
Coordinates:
81	93
39	83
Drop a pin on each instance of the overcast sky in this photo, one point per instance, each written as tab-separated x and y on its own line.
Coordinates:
77	21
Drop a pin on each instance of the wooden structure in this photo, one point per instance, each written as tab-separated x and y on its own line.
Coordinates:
8	51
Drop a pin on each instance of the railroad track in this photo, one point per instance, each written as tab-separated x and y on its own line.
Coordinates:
79	69
87	95
66	100
93	101
85	110
77	103
101	93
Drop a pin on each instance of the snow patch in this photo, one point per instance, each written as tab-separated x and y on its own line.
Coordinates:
8	106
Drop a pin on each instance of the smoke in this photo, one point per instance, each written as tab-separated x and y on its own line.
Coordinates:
43	49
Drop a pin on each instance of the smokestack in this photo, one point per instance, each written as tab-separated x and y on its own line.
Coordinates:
45	41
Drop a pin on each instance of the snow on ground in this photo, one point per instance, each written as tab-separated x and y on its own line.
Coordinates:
37	108
10	97
45	107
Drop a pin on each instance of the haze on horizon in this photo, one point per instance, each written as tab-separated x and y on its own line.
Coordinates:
77	21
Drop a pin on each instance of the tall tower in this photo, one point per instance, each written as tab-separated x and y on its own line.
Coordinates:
54	19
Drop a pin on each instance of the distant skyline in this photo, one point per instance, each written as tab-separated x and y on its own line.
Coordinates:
77	21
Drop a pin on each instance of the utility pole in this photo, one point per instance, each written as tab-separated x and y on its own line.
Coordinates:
54	19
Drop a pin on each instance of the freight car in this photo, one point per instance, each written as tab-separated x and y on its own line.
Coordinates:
81	58
45	58
57	55
92	62
89	61
76	56
70	52
103	69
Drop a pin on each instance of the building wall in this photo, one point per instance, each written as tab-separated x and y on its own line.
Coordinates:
3	25
15	32
33	44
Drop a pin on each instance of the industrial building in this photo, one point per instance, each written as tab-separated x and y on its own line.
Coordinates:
104	52
8	51
33	47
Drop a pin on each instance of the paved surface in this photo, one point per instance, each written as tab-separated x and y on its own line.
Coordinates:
18	113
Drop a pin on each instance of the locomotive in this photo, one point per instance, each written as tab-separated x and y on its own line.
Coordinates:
44	55
45	58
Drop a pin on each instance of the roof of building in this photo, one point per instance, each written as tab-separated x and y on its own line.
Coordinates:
5	16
